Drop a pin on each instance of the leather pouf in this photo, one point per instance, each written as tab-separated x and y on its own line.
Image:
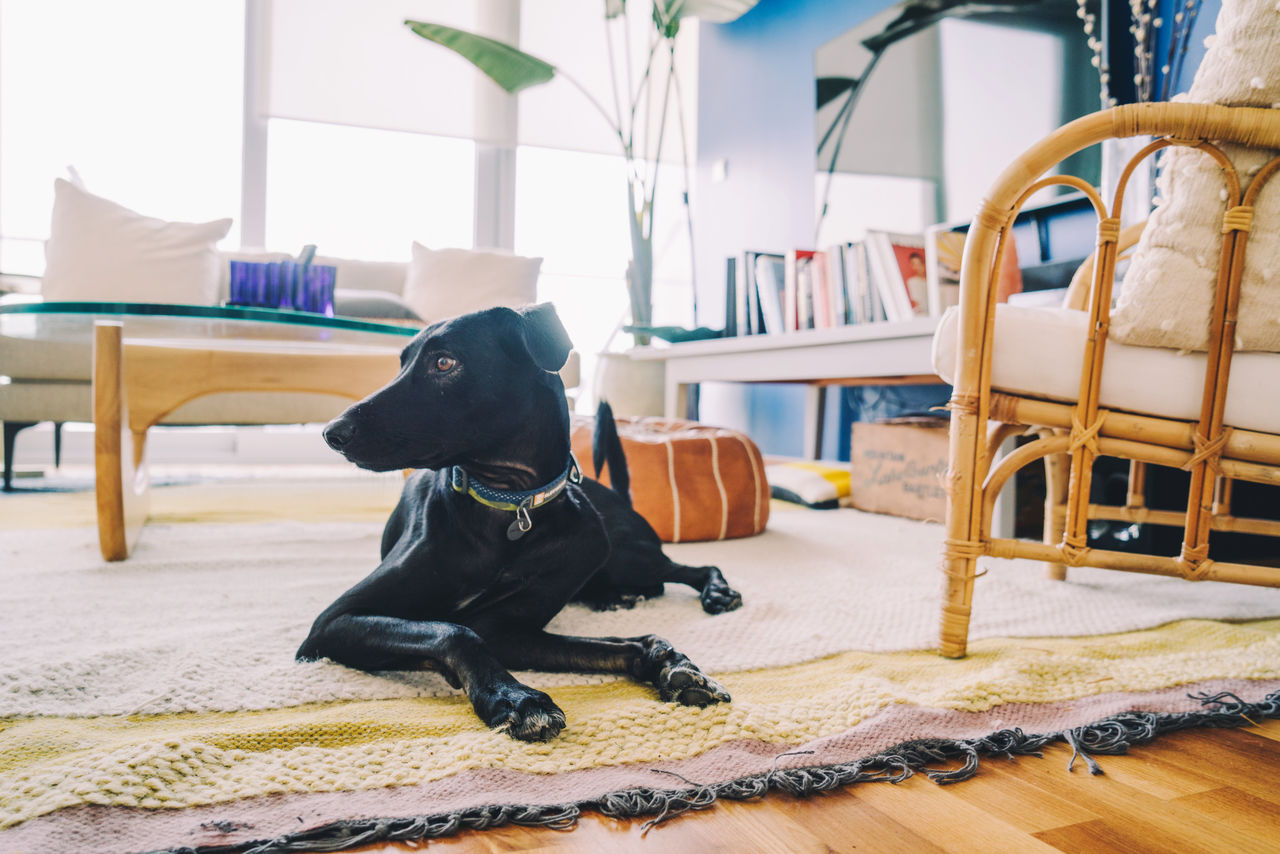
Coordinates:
690	481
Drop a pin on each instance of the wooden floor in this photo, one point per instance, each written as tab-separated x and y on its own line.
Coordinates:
1200	790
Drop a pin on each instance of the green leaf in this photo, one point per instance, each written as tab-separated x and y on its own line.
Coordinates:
675	334
511	69
614	8
711	11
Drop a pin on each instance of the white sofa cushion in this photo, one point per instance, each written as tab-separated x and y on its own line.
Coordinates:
1038	352
100	251
448	282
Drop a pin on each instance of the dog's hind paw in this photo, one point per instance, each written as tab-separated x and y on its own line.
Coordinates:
719	598
682	682
522	712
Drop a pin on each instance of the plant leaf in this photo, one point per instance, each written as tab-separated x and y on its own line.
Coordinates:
614	8
830	88
675	334
511	69
711	11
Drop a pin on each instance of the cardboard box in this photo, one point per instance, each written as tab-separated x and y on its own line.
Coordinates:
900	467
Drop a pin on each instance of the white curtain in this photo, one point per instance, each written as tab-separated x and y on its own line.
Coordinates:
352	63
356	63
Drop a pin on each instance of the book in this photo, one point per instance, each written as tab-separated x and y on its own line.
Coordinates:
857	283
886	278
837	291
731	297
875	306
750	321
824	312
898	262
770	283
944	249
797	290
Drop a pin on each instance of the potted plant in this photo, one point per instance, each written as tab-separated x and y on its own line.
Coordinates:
515	70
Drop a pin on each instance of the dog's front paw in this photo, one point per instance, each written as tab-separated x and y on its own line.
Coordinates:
679	680
520	711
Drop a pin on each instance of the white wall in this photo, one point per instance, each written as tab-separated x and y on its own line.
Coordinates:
995	103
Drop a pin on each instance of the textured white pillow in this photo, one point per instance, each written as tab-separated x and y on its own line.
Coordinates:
1168	293
448	282
100	251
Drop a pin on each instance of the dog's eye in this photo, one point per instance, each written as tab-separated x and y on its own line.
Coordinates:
444	364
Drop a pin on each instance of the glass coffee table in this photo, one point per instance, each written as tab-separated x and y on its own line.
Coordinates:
148	359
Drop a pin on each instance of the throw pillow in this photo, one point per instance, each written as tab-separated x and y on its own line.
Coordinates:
100	251
445	283
1168	292
820	486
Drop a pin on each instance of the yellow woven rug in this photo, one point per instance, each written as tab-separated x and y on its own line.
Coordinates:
154	704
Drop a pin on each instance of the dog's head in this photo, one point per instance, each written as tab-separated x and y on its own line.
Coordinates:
466	385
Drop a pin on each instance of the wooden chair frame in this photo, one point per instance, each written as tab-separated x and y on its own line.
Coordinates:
1072	435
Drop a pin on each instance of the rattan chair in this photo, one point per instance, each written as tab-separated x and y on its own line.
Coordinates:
1071	433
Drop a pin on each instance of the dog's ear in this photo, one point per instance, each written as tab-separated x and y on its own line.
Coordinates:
544	336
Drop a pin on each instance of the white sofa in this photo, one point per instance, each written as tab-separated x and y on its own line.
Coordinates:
51	382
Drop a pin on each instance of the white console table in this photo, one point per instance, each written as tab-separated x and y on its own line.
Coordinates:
860	354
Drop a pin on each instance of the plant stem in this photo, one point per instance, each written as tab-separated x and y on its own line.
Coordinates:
599	108
657	154
684	160
613	64
847	110
645	92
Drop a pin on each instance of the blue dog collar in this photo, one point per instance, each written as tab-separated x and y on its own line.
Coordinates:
519	503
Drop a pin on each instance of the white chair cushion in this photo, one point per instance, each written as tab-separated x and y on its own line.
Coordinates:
100	251
448	282
1038	353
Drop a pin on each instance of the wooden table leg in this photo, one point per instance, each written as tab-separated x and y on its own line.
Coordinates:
676	398
136	386
815	412
122	484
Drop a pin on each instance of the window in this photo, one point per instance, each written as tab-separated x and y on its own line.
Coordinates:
143	98
571	210
362	193
146	99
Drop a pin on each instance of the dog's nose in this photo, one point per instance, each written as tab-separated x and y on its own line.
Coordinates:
337	433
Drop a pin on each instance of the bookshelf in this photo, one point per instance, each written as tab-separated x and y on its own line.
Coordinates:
857	354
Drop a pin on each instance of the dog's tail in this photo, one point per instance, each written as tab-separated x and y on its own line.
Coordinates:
606	447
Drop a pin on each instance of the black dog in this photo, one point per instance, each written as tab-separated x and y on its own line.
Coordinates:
501	531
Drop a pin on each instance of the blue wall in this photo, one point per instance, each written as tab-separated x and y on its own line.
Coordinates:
756	113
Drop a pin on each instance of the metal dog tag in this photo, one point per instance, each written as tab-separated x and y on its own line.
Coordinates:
522	523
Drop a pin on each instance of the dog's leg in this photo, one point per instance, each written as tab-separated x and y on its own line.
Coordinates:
648	659
388	643
716	594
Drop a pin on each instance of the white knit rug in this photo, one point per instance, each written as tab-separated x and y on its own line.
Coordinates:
219	609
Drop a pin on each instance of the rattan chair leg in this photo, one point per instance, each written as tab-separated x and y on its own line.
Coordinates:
965	540
953	636
1056	472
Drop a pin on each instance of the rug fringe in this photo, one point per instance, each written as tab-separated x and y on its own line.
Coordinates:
933	757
